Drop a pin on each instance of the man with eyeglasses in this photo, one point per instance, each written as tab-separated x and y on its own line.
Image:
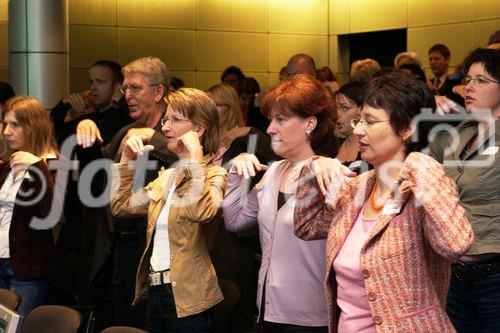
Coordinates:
146	83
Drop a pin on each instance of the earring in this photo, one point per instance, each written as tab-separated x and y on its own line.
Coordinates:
308	133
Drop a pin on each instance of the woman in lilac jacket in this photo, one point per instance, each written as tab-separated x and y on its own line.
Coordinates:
290	295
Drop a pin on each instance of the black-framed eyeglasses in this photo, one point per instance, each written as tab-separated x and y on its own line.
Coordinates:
135	89
479	80
172	120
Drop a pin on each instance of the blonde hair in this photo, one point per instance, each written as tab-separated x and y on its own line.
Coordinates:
200	109
225	94
153	68
412	56
34	119
364	70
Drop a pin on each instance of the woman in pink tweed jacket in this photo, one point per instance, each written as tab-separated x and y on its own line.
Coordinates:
391	232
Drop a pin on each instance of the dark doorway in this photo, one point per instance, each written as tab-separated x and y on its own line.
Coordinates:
382	46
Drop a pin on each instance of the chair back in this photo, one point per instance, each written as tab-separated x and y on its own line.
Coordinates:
10	299
122	329
52	318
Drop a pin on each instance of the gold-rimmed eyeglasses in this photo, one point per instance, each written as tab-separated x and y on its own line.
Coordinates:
366	123
480	80
172	120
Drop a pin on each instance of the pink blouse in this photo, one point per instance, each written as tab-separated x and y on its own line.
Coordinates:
351	294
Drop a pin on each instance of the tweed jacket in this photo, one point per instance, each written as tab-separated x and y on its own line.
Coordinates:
196	200
32	251
405	261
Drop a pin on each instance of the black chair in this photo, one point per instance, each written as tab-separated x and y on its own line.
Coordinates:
10	299
52	318
123	329
59	295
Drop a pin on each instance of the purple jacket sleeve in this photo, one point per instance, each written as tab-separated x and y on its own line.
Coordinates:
240	208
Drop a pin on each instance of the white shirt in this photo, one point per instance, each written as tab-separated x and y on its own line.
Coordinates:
8	194
160	258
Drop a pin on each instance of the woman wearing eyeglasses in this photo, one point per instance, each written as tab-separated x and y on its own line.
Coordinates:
175	271
472	161
392	231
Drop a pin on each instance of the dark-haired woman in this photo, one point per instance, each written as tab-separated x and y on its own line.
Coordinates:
393	231
472	160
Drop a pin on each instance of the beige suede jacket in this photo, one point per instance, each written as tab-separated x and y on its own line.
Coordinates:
198	195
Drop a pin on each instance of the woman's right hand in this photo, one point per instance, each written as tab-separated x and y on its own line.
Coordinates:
134	146
330	171
246	165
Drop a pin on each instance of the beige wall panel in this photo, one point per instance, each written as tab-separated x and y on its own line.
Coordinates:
343	78
274	78
241	15
298	16
4	10
97	12
431	12
282	47
189	77
339	55
340	17
482	30
378	15
78	80
4	44
88	44
174	47
4	74
217	50
207	79
157	13
485	9
456	36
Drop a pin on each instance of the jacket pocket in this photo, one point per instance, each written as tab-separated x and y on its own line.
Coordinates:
419	312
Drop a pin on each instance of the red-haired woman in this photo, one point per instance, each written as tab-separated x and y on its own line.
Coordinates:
290	295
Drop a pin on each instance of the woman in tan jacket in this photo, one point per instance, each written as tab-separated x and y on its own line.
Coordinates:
175	271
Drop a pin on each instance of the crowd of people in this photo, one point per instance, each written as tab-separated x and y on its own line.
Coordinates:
369	206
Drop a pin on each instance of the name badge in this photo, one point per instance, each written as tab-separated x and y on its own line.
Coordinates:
492	150
392	208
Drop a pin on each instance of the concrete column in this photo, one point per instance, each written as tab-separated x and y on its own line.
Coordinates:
39	51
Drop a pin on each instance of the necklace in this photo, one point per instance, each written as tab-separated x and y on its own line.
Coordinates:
372	199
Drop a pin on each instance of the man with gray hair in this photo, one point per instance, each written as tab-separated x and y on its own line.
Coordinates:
146	83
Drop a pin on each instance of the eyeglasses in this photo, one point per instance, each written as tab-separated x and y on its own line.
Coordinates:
478	80
366	123
135	89
172	120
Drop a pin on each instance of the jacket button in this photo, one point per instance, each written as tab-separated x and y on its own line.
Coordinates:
174	283
372	296
172	257
366	273
377	320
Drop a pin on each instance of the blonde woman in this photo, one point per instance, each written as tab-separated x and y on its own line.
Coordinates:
175	272
27	255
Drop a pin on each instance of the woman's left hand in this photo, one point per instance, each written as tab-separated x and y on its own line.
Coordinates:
328	171
23	158
193	149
